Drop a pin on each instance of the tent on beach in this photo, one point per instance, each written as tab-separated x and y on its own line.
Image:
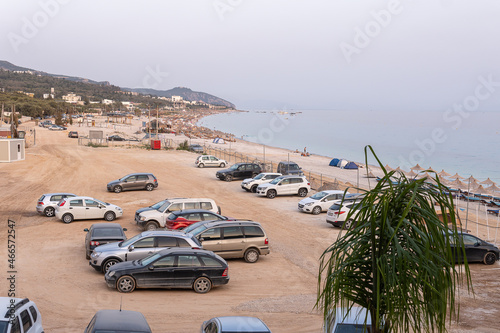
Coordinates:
334	162
342	163
351	165
219	140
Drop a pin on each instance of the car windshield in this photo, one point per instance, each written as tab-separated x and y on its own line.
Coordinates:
102	202
276	180
158	204
148	260
196	231
194	226
172	216
335	207
130	241
163	207
123	178
259	176
319	195
107	232
234	167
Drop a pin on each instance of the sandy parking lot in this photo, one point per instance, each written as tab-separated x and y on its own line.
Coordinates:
280	288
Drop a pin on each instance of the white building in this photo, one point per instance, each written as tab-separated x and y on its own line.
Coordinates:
72	98
176	99
107	101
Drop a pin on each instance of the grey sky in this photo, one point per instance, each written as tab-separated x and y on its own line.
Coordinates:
411	55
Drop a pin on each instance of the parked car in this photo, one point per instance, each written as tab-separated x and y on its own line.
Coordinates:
138	247
86	208
56	128
153	219
209	160
251	184
289	168
239	171
47	203
337	214
320	202
183	218
357	320
476	250
72	134
115	138
170	268
234	324
196	148
21	315
152	207
133	181
102	233
114	321
232	239
285	185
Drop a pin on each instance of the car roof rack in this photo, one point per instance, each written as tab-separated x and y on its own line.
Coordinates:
17	306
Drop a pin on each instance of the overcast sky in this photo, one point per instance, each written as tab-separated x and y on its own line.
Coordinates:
286	54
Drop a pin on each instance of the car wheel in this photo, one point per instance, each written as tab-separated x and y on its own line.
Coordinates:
49	211
316	210
271	194
67	218
151	226
125	284
201	165
109	216
302	192
349	224
150	187
87	255
251	255
222	165
108	263
229	178
254	189
202	285
490	258
117	189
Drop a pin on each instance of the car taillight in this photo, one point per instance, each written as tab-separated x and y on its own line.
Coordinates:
339	212
196	248
266	241
309	184
225	272
40	203
94	243
61	203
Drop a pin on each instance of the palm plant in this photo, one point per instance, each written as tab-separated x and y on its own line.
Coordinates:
396	261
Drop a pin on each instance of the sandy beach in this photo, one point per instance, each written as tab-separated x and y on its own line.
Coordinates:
280	288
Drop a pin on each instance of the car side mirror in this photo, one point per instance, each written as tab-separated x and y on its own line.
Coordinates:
124	229
131	248
86	230
279	184
477	244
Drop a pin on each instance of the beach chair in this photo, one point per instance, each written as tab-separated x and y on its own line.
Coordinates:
493	211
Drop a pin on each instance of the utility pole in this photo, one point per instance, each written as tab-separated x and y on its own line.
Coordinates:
149	126
156	121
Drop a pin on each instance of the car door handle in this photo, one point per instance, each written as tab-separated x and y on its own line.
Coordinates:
87	208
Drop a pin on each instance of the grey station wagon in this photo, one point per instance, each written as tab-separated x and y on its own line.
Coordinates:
134	181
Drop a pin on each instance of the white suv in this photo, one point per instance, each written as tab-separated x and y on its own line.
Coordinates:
21	315
320	202
209	160
251	184
285	185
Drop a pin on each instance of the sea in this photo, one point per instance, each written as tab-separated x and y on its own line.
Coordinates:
466	143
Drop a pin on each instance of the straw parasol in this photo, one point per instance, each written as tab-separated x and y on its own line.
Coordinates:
493	188
430	169
388	168
488	182
411	174
471	179
458	183
443	174
417	168
481	190
455	176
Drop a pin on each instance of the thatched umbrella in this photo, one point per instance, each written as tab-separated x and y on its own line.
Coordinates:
417	168
388	168
455	176
458	183
444	174
471	179
430	169
411	174
481	190
493	188
488	182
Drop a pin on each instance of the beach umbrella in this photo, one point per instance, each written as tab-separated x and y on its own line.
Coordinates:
471	179
458	183
411	174
481	190
430	169
417	168
456	176
388	168
488	182
444	174
493	188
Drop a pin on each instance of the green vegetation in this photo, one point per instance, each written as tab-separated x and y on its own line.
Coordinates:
96	145
183	146
397	261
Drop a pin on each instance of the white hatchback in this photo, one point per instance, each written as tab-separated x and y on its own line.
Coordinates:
320	202
337	214
285	185
209	161
86	208
251	184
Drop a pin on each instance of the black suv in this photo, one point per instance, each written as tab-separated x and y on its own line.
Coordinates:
239	171
134	181
289	168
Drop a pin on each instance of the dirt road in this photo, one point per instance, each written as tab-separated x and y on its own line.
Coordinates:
280	288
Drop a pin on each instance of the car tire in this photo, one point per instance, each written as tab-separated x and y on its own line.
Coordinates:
201	165
251	256
316	210
222	165
49	211
271	194
67	218
109	216
87	255
254	189
151	225
202	285
125	284
229	178
150	187
489	258
108	263
302	192
349	224
117	189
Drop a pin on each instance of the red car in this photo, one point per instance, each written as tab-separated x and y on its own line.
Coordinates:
180	219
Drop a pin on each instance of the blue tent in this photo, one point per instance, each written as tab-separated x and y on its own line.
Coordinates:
334	162
218	140
351	165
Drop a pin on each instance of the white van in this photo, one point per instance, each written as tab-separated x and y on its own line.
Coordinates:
155	218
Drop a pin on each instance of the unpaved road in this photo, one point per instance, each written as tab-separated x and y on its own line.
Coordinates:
280	288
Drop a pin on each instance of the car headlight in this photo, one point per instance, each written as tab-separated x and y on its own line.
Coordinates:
118	209
142	218
110	274
309	204
95	254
